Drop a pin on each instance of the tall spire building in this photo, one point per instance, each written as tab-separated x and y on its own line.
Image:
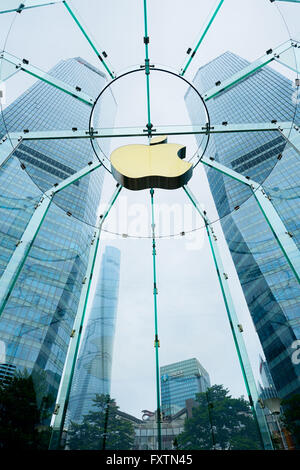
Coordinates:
93	369
271	290
37	320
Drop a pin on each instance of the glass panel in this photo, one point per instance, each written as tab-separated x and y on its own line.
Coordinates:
45	77
246	72
79	23
16	208
7	70
203	33
291	57
6	148
159	130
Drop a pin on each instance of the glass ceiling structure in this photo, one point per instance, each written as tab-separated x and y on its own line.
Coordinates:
150	97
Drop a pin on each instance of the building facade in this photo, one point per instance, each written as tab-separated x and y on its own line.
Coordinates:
181	381
37	320
270	287
146	435
93	369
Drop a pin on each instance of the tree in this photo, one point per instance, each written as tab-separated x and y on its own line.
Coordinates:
220	422
20	415
103	428
291	418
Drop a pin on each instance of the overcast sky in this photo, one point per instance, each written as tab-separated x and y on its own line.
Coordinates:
192	317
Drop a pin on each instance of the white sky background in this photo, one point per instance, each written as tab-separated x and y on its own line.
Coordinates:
192	316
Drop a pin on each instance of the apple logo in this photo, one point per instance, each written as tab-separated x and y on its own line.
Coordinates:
158	165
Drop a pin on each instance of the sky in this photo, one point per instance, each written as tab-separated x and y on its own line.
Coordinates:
192	319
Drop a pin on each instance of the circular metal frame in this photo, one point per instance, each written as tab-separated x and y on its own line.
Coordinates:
142	70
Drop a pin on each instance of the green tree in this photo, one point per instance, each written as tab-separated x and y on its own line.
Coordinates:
220	422
20	416
291	418
103	428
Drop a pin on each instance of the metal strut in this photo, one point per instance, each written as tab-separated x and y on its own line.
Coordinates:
147	69
249	380
100	57
156	340
288	131
206	28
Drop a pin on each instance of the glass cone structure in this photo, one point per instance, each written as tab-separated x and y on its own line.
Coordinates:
51	184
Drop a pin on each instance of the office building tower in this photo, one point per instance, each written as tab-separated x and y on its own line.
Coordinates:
181	381
37	320
93	369
270	287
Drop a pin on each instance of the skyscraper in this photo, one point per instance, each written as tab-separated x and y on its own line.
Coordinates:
37	320
270	287
93	369
7	371
181	381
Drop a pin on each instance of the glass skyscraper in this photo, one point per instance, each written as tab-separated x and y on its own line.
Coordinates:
179	382
270	287
37	320
93	369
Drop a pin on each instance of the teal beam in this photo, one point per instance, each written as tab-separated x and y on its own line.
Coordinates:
89	168
60	410
156	340
19	6
111	74
270	56
7	70
99	133
282	236
25	66
206	28
147	68
234	323
292	136
23	247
